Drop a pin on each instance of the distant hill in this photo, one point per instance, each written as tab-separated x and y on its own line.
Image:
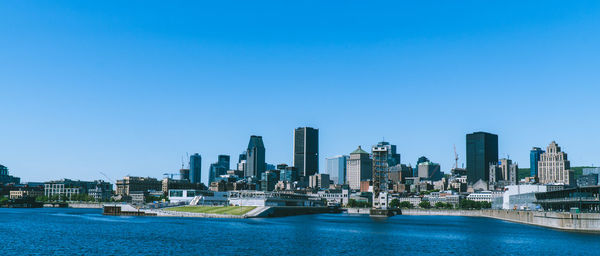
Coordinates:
524	172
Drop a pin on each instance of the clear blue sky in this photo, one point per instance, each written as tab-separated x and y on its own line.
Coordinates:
128	87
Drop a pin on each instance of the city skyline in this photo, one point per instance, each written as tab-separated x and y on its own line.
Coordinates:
100	86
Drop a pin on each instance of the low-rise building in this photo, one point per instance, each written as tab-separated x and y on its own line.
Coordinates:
66	188
319	181
484	196
263	198
168	184
26	192
414	200
131	183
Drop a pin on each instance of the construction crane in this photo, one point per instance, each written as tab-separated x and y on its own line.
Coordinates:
455	158
104	174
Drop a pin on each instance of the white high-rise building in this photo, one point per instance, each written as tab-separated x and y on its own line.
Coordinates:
554	167
358	168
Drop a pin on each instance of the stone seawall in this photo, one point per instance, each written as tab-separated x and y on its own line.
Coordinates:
584	222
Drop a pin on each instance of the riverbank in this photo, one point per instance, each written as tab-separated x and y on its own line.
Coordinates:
579	222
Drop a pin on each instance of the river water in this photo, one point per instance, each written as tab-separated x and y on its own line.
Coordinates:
55	231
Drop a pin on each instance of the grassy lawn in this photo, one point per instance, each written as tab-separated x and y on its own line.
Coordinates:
231	210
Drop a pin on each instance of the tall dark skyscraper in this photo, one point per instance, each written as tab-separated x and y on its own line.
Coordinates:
306	150
534	158
195	168
255	157
482	149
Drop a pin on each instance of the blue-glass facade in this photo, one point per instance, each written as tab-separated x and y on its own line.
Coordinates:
534	157
336	168
195	168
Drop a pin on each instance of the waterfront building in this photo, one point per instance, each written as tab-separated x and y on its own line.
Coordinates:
255	157
335	197
484	196
66	188
5	178
584	199
534	158
195	168
414	200
554	167
359	168
262	198
26	192
442	197
336	168
429	171
197	197
319	181
131	183
306	150
482	149
512	200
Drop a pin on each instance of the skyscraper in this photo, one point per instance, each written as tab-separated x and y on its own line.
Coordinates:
219	168
306	150
393	158
482	150
359	168
336	168
554	166
429	171
534	158
255	157
241	165
195	168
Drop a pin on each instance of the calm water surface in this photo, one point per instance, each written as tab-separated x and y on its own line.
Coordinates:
88	232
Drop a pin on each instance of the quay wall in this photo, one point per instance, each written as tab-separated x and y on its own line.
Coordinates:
583	222
83	205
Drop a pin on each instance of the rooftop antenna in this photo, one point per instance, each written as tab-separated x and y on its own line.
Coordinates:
455	158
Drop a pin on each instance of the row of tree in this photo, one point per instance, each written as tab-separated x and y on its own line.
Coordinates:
463	204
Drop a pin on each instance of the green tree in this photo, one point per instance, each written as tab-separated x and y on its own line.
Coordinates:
425	204
440	205
3	200
406	204
351	203
395	203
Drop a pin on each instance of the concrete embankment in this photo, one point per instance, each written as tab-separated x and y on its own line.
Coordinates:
84	205
582	222
361	211
282	211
